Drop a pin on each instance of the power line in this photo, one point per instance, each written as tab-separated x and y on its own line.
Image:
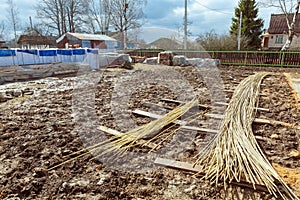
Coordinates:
212	9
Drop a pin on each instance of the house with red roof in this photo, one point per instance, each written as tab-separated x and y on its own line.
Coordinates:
277	33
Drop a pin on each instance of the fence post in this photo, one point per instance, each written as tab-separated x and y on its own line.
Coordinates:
213	55
246	57
282	58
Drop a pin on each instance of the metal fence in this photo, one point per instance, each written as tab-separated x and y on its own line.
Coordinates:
247	58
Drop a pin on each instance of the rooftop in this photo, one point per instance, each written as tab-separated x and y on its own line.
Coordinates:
278	24
36	40
85	36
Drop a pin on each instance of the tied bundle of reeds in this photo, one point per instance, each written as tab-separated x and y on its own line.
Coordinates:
234	154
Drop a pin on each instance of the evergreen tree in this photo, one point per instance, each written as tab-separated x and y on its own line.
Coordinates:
251	24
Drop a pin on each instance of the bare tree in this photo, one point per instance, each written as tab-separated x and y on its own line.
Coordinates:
49	10
290	9
13	13
290	23
62	15
74	10
99	13
37	29
213	41
2	29
126	15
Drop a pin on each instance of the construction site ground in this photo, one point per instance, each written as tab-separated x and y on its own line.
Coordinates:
41	129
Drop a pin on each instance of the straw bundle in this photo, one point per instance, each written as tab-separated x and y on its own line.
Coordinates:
129	139
234	154
124	141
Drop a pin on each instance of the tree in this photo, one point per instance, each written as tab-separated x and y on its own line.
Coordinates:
291	10
99	15
211	41
37	29
13	18
126	15
2	29
62	15
251	24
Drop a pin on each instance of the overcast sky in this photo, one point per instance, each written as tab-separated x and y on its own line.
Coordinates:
205	15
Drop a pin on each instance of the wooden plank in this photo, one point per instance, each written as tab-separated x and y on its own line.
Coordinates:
237	83
177	165
179	122
117	133
182	102
207	106
232	91
173	101
206	130
256	120
156	106
162	107
183	123
156	116
226	104
190	168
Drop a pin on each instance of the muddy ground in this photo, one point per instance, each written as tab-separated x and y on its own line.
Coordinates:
60	116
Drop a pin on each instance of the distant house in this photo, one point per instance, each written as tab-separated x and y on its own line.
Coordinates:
76	40
36	42
277	33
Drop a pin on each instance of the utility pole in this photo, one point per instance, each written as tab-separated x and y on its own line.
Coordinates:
30	21
185	26
125	24
240	31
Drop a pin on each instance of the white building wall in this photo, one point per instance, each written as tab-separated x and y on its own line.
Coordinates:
275	43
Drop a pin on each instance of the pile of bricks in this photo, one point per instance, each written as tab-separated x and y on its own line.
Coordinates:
165	58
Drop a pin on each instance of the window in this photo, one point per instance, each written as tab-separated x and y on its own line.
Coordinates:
279	39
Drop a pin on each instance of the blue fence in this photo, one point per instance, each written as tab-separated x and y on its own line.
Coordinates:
27	57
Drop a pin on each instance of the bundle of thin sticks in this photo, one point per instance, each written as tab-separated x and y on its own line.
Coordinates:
234	154
124	141
129	139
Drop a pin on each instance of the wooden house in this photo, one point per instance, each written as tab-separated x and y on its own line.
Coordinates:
276	35
36	42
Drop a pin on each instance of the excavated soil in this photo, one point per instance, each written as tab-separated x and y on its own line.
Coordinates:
42	128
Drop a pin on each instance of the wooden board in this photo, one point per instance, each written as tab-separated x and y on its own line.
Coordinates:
182	102
183	124
231	91
257	120
189	167
156	116
215	116
226	104
156	106
207	106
